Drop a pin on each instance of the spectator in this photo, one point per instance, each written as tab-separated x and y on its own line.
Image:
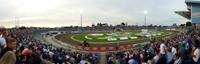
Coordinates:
173	50
156	58
132	61
196	52
12	44
84	61
2	39
8	58
162	48
27	51
177	59
169	56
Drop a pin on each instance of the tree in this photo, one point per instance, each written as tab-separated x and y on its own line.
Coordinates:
174	25
71	26
151	25
93	25
188	24
160	26
123	24
99	24
182	25
22	27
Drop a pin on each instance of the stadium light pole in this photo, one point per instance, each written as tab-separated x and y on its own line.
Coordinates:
16	22
145	18
81	18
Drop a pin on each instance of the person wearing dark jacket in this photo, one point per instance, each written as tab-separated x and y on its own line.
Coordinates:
11	45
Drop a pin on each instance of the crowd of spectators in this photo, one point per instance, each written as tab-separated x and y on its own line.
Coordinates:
183	48
18	46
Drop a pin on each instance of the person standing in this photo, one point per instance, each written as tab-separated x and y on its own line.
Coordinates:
11	45
8	58
3	36
196	52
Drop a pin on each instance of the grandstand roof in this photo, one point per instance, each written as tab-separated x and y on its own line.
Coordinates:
185	14
192	1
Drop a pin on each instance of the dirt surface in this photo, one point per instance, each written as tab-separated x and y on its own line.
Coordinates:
67	39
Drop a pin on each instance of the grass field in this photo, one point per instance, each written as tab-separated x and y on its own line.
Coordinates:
99	39
103	38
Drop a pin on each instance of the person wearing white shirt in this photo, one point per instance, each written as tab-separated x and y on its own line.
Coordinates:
2	43
195	51
156	57
3	36
173	51
196	55
162	48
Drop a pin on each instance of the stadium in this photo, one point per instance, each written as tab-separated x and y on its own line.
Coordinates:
99	32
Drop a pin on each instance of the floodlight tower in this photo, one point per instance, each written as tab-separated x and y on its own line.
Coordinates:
16	22
81	18
145	18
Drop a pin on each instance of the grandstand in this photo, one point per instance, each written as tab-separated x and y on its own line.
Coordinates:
192	14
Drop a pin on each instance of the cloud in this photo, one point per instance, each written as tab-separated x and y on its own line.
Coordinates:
67	12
